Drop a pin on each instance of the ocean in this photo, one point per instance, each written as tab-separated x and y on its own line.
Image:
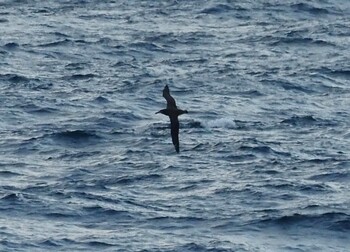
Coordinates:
87	165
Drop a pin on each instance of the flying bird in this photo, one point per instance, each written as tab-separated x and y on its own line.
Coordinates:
173	112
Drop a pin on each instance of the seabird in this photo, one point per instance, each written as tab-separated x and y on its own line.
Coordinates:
173	112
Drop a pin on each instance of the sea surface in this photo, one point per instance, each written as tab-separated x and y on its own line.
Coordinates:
87	165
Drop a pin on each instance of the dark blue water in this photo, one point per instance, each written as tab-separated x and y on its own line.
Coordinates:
86	165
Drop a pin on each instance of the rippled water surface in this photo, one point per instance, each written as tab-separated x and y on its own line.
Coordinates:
264	162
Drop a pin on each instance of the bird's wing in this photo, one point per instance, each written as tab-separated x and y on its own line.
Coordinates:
170	100
175	132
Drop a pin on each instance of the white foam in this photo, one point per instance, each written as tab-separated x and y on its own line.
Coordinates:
221	123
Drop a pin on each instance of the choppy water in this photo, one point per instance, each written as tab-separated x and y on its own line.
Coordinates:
265	150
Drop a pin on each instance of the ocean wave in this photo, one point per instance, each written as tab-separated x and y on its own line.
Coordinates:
11	46
104	212
26	82
222	123
239	158
76	66
332	176
201	147
9	174
99	244
186	61
50	243
340	72
63	42
337	221
55	243
192	124
88	243
300	41
12	197
67	155
149	46
300	120
300	187
14	78
289	86
74	138
81	76
263	149
137	178
171	221
306	7
180	38
74	135
196	247
42	111
307	120
101	100
217	9
62	215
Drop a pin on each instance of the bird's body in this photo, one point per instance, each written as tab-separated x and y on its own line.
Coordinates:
173	112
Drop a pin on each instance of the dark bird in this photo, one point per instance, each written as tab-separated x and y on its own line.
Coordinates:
173	112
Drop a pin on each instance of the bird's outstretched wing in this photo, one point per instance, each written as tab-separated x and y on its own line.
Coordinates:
169	99
175	132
